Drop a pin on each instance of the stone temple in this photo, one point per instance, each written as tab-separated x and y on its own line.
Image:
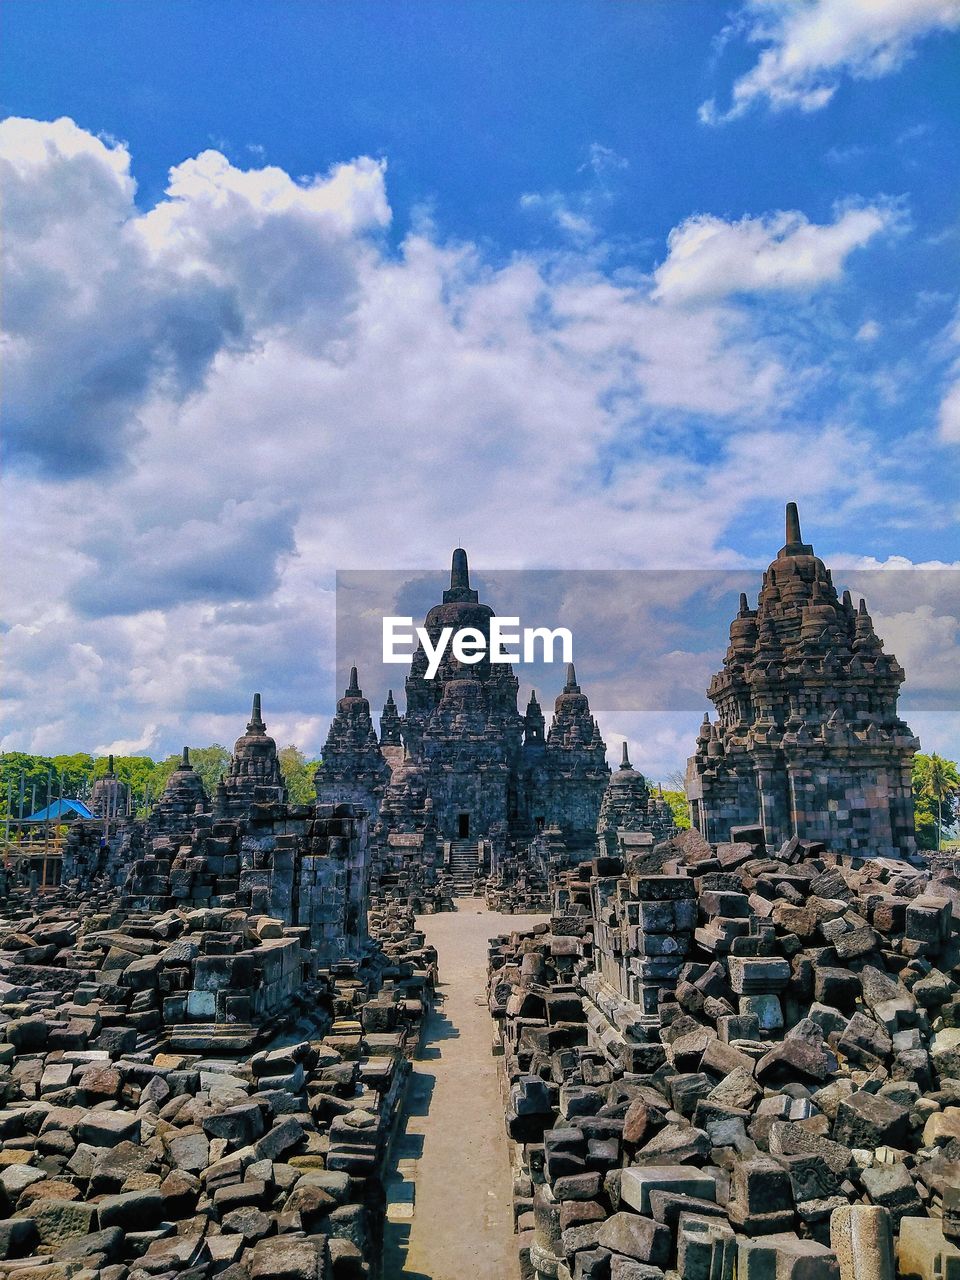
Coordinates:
807	742
462	765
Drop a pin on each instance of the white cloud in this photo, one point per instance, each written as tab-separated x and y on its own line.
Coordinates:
217	402
869	331
103	304
710	258
810	45
129	746
950	415
948	419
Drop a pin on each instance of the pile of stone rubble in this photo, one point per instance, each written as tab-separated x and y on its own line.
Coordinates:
719	1063
138	1140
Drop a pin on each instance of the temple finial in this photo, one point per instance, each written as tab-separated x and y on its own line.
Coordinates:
353	688
185	758
571	677
793	524
460	591
110	764
744	607
862	608
794	545
256	719
624	757
459	571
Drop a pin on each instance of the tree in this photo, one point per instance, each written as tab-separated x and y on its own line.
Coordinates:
677	801
298	774
209	762
24	777
936	789
75	773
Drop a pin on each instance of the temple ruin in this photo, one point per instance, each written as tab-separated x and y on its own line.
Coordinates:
807	742
461	782
724	1053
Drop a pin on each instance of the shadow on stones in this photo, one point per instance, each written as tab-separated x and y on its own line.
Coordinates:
409	1146
396	1247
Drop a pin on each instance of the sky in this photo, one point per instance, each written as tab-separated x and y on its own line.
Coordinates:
292	289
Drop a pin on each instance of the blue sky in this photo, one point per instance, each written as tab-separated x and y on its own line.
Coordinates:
581	284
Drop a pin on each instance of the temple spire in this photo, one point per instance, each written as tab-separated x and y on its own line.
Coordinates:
460	590
793	523
185	758
794	545
571	685
624	757
459	571
110	765
353	688
256	724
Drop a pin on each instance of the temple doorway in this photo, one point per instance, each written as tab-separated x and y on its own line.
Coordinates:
463	826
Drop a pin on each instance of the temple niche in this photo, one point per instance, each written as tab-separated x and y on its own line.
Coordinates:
807	742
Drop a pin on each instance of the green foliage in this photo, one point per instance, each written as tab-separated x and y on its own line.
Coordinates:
75	773
677	801
936	798
298	774
209	762
33	772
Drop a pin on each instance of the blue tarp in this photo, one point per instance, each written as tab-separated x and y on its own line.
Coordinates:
63	810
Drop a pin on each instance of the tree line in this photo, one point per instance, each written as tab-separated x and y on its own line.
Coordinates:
26	780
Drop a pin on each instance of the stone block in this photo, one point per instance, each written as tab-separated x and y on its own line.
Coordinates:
924	1253
785	1256
862	1238
706	1249
636	1184
758	975
869	1121
636	1237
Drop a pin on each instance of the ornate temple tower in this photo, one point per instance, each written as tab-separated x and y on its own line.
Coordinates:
352	769
109	797
487	770
390	724
629	806
254	773
182	799
576	764
807	740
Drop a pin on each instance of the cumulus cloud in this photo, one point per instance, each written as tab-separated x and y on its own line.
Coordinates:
105	305
232	557
218	401
711	258
809	46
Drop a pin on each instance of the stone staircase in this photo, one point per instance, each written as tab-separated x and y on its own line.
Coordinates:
462	867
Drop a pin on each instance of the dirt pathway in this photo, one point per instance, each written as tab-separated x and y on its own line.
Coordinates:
448	1199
